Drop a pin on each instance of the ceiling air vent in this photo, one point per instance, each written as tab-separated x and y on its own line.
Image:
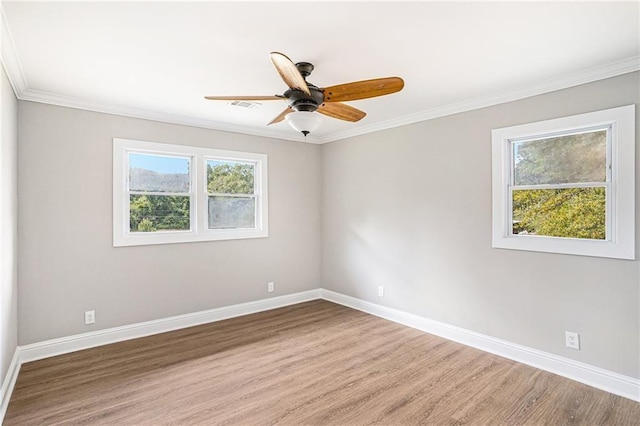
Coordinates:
245	104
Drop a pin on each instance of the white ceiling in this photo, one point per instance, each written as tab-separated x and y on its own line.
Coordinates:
158	60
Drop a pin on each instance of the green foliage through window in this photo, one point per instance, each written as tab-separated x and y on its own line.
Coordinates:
230	178
569	213
150	213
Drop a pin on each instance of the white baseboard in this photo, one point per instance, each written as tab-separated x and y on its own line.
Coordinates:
78	342
609	381
8	383
600	378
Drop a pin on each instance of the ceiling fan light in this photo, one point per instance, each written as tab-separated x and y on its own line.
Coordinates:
305	122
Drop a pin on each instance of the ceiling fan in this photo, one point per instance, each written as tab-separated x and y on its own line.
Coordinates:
304	98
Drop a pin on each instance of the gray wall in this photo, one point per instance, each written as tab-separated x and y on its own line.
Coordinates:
8	224
410	209
67	263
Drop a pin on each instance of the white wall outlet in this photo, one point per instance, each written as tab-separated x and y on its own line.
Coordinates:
380	291
572	340
270	287
90	317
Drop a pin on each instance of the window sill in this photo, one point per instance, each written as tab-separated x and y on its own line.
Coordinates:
186	237
572	246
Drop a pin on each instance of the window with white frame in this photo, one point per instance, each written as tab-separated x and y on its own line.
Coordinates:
567	185
165	193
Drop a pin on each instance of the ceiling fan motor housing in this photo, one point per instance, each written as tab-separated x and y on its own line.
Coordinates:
300	101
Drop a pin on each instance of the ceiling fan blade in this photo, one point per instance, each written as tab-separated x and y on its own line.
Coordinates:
245	98
289	72
363	89
280	117
341	111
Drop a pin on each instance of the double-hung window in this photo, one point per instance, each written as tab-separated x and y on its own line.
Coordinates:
166	193
566	185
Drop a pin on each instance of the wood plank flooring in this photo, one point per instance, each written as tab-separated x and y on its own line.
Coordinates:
315	363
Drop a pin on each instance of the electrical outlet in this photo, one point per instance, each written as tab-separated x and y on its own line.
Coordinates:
572	340
380	291
270	287
90	317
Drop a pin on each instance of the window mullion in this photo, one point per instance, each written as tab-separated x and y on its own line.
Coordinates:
199	186
224	194
562	186
164	194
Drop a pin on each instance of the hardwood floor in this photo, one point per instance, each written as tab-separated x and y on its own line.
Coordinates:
315	363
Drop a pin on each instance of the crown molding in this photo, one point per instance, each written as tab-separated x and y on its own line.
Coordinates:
602	72
76	103
15	73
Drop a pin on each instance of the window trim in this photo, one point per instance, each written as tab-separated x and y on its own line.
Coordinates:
199	206
620	241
